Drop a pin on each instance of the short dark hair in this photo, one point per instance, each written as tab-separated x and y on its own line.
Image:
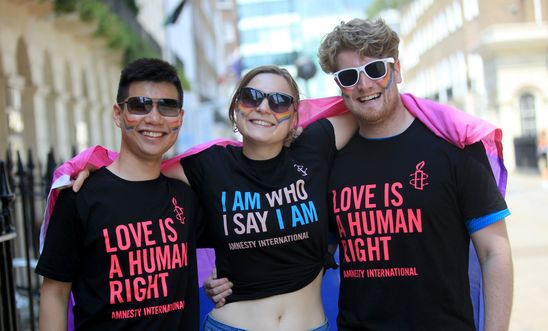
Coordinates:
147	70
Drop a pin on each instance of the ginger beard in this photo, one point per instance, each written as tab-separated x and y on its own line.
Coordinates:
371	101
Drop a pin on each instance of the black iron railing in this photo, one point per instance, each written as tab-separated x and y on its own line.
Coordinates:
8	312
23	192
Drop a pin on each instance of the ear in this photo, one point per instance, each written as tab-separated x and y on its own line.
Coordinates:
397	72
181	117
117	115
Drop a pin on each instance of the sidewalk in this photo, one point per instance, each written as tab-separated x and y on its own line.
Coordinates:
528	231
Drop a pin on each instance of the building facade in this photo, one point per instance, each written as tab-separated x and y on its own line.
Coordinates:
486	57
285	32
198	40
57	81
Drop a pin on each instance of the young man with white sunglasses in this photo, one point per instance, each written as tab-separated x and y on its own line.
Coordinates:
405	203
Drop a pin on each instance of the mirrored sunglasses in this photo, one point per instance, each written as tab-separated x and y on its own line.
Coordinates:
144	105
277	101
375	70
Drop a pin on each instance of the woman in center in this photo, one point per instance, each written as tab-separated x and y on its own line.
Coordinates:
266	207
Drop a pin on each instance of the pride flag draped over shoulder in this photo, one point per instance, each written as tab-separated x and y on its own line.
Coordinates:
452	125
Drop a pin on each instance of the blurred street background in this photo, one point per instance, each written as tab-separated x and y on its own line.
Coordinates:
60	62
527	198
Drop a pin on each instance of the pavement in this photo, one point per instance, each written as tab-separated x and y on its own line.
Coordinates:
527	198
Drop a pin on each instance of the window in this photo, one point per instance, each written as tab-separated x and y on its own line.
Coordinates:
470	9
265	8
280	59
527	115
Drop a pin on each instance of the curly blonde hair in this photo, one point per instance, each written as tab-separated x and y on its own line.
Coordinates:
370	38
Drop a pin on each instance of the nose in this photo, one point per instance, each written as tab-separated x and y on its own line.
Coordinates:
363	80
154	115
264	107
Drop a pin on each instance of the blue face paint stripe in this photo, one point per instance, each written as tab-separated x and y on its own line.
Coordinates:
390	80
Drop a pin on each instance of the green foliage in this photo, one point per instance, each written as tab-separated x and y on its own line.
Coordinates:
376	6
132	6
109	26
184	80
64	6
112	29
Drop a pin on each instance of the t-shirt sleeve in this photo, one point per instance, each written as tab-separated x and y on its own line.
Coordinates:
479	196
194	166
61	253
318	137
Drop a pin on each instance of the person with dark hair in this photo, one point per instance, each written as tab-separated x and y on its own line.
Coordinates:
125	243
266	207
150	70
406	203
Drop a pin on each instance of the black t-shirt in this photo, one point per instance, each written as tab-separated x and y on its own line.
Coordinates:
400	206
128	248
267	220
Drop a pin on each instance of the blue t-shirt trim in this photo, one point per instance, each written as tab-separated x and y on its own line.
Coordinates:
479	223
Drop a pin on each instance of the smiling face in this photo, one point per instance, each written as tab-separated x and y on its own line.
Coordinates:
372	101
149	136
262	129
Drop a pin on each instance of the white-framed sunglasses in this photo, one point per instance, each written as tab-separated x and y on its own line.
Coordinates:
375	70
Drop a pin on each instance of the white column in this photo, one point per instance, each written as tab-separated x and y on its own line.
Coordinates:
42	125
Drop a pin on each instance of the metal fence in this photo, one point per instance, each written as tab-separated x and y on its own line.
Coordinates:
23	190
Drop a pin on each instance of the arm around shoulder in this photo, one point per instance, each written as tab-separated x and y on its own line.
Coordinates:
54	298
495	257
177	172
345	126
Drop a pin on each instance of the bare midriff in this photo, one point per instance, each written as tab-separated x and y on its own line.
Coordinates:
299	310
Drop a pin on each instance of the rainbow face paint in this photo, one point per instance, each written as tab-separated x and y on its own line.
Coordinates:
280	117
244	110
175	126
130	122
387	80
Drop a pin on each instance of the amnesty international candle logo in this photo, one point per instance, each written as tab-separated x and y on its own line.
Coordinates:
419	177
179	211
367	217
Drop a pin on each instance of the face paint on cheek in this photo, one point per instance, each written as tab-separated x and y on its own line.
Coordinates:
346	91
129	124
174	126
387	80
280	118
244	110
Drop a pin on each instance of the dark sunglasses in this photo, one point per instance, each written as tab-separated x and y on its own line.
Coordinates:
143	106
375	70
278	102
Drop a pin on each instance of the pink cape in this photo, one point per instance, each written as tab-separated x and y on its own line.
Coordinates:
454	126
